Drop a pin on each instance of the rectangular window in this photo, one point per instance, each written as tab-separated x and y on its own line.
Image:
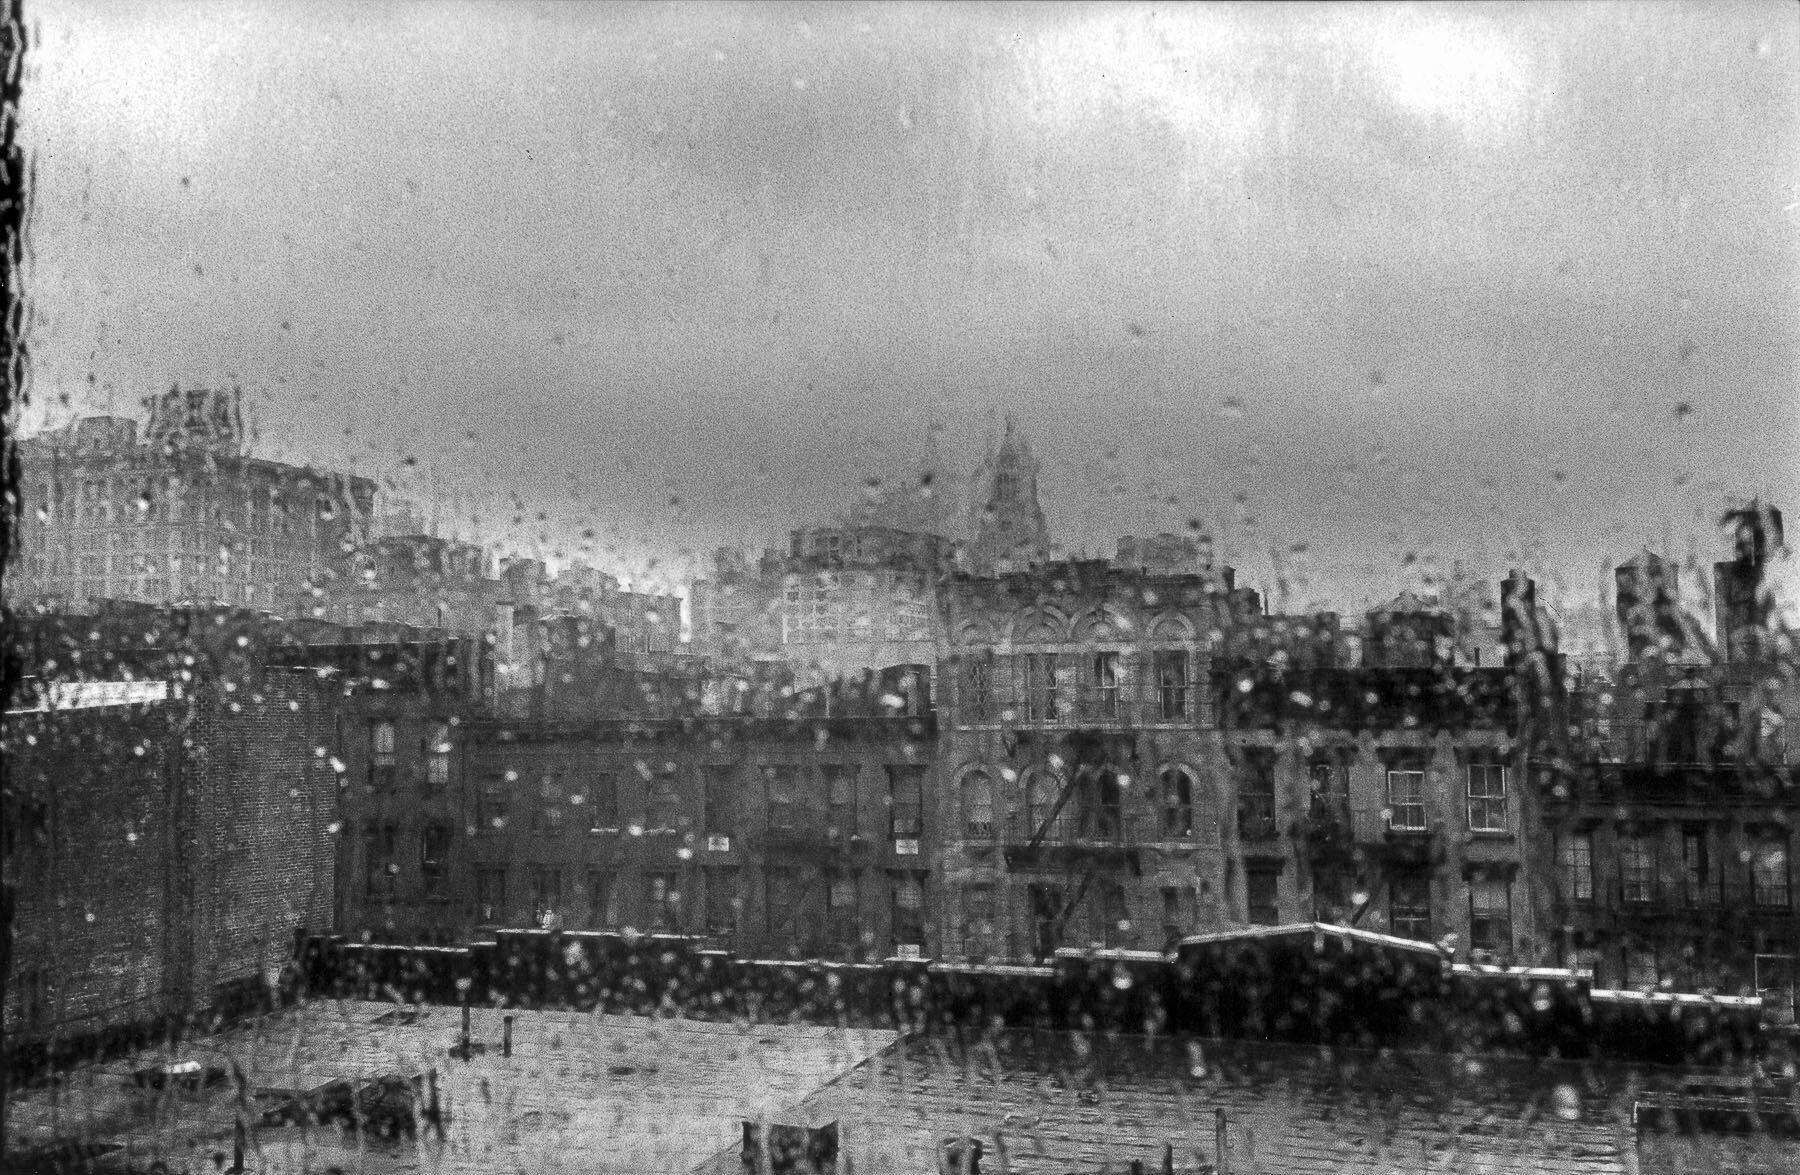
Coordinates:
1039	687
840	798
381	868
1637	867
1261	887
603	802
1699	878
1112	913
1256	794
1406	801
546	894
723	902
1409	906
841	909
719	814
1172	684
662	803
437	756
1329	778
1490	915
1769	871
781	899
1104	683
1576	858
1641	971
491	804
905	797
434	859
1177	803
980	937
662	901
1174	915
1487	797
490	895
601	893
783	796
908	910
381	756
547	813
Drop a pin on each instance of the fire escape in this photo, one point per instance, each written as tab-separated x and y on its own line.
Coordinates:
1081	838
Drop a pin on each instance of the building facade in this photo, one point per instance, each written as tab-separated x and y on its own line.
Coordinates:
1670	810
839	602
1130	754
170	809
768	836
1076	784
181	514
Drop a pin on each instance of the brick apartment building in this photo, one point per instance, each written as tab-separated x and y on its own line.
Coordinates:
794	826
1669	816
1133	752
170	800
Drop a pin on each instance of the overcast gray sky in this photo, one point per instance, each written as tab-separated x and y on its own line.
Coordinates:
1486	283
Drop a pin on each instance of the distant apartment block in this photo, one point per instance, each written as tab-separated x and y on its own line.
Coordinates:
179	514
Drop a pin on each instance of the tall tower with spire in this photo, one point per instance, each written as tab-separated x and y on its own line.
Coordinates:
1008	525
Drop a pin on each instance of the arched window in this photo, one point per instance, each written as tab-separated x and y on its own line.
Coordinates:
1038	627
978	805
1171	627
1177	801
1101	626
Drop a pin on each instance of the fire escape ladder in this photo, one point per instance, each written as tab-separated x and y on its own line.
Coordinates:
1062	919
1043	830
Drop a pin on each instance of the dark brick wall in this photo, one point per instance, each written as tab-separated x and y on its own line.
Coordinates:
264	805
88	838
161	856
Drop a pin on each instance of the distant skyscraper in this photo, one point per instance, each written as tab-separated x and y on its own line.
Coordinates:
1009	525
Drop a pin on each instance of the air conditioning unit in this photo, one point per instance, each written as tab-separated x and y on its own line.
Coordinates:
906	848
718	844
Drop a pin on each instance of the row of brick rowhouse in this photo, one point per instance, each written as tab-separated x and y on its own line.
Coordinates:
1098	753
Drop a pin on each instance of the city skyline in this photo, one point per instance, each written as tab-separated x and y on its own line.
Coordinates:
1347	286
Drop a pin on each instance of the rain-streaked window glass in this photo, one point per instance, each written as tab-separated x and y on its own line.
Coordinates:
907	587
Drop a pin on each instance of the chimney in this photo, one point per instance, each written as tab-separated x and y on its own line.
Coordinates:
1648	602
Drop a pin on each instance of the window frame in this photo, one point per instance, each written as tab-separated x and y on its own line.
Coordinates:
1415	805
1637	867
1177	811
1410	919
1490	927
1174	684
1575	866
977	783
1486	802
384	741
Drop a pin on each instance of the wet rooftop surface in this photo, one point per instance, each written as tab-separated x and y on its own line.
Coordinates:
593	1093
581	1092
